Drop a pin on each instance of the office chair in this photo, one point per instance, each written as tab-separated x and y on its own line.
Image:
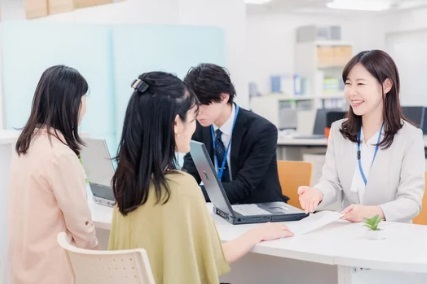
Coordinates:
107	267
293	174
421	219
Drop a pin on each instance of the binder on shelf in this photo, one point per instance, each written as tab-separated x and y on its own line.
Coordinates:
291	84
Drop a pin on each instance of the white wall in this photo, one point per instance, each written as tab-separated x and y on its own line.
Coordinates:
405	36
271	40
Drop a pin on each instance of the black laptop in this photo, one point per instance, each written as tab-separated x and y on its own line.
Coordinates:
239	213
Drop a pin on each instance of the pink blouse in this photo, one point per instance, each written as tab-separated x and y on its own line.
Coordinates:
47	196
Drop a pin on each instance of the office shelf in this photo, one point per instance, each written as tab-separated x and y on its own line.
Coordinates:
321	64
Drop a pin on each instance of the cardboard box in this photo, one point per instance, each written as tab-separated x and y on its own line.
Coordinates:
60	6
90	3
35	8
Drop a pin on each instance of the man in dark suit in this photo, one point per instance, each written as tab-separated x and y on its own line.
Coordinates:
241	144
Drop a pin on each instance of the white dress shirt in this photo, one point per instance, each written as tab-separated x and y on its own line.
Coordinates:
367	152
227	131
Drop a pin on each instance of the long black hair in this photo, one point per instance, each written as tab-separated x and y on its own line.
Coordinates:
380	65
147	146
56	104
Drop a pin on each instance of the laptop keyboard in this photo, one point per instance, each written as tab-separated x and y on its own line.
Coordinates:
249	209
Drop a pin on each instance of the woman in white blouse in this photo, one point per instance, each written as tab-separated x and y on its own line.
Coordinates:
375	158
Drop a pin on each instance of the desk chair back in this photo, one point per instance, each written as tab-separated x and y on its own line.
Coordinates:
107	267
293	174
421	219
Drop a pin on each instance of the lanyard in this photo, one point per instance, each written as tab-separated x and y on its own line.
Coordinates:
224	159
375	153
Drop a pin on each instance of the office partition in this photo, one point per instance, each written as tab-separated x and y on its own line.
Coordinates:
110	57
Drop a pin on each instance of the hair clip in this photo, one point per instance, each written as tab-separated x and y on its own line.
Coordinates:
140	85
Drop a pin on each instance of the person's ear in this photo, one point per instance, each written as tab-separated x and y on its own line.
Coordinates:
387	85
225	97
177	125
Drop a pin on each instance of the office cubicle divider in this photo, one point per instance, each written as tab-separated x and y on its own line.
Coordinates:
110	57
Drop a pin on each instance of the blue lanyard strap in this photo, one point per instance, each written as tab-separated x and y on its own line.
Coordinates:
359	153
224	160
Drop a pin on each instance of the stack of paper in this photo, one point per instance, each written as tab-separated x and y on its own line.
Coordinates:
313	222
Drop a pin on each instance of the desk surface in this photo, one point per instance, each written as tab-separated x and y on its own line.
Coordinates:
8	136
289	141
339	243
320	142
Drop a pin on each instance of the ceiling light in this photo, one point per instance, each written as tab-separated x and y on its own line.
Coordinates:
258	2
360	5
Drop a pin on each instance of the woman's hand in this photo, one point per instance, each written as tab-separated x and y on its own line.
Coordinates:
235	249
272	231
358	213
309	198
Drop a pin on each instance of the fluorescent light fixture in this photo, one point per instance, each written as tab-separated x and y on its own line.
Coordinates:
360	5
258	2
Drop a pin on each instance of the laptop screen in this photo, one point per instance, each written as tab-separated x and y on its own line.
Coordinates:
97	162
207	173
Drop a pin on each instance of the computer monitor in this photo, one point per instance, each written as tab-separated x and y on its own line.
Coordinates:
415	114
333	116
424	125
320	123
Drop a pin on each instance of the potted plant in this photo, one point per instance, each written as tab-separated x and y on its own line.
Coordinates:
374	231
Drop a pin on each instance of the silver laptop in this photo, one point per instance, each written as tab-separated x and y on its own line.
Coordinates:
99	170
239	213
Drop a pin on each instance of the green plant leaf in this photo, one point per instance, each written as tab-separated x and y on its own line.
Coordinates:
373	223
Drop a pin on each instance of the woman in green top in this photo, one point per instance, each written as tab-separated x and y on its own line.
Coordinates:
162	209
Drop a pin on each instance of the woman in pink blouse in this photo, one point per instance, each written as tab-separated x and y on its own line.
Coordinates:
47	183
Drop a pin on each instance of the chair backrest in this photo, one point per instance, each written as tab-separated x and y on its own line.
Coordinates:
422	217
107	267
293	174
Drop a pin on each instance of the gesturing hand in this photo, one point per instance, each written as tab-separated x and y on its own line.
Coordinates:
309	198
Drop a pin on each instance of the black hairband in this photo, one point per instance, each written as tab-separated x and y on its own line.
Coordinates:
140	85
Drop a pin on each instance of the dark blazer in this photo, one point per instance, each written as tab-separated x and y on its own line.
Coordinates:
252	158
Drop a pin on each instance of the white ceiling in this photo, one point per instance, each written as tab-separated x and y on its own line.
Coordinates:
318	6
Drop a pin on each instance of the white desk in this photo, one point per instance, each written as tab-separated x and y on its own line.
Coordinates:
338	253
293	149
289	148
7	144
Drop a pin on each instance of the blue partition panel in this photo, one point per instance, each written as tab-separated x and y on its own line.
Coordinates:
143	48
29	48
109	57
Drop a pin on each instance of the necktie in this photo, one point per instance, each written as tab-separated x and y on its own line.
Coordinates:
220	156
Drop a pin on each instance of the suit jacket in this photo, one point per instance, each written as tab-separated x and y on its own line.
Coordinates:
253	161
396	179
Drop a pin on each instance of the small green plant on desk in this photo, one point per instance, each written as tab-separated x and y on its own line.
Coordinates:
373	223
374	232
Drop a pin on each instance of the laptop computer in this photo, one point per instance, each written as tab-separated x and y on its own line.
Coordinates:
239	213
99	170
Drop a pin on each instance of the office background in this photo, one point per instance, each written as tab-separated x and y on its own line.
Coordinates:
257	41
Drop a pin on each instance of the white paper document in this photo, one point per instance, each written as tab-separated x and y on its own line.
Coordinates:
313	222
